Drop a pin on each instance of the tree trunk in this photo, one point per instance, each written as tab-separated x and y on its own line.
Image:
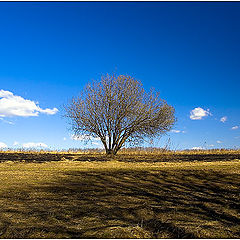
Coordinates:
110	152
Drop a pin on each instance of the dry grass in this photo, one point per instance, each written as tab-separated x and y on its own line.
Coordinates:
89	197
127	151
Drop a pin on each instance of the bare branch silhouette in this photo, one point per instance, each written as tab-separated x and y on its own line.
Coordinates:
117	110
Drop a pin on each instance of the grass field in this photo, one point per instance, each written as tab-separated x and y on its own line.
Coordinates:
89	196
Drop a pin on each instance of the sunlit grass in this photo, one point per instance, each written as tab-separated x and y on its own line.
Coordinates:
91	196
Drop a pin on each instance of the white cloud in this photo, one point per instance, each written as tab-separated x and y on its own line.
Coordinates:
48	111
78	138
30	144
211	145
34	145
98	145
15	143
5	94
64	139
3	145
198	113
223	119
83	137
197	148
12	105
235	127
219	141
177	131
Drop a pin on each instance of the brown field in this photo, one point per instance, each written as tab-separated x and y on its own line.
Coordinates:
144	195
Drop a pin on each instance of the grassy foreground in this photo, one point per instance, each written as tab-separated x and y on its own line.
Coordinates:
113	199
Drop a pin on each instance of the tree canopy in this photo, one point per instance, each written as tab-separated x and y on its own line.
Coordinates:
116	109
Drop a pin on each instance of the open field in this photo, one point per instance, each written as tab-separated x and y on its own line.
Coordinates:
50	195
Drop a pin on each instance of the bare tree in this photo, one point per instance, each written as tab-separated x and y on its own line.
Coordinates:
117	110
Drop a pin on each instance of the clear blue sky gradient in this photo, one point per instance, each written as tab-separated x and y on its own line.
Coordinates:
189	51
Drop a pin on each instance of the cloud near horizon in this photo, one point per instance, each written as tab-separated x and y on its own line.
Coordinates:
93	140
210	145
3	145
34	145
12	105
235	127
198	113
196	148
30	145
83	137
98	144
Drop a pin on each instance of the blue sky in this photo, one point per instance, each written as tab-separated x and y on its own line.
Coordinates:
189	51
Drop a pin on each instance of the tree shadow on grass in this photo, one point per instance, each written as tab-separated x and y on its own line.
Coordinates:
47	157
125	204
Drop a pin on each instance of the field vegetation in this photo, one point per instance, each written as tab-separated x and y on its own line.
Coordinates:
148	194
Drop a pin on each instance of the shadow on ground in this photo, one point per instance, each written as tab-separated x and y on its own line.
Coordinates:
49	157
125	204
